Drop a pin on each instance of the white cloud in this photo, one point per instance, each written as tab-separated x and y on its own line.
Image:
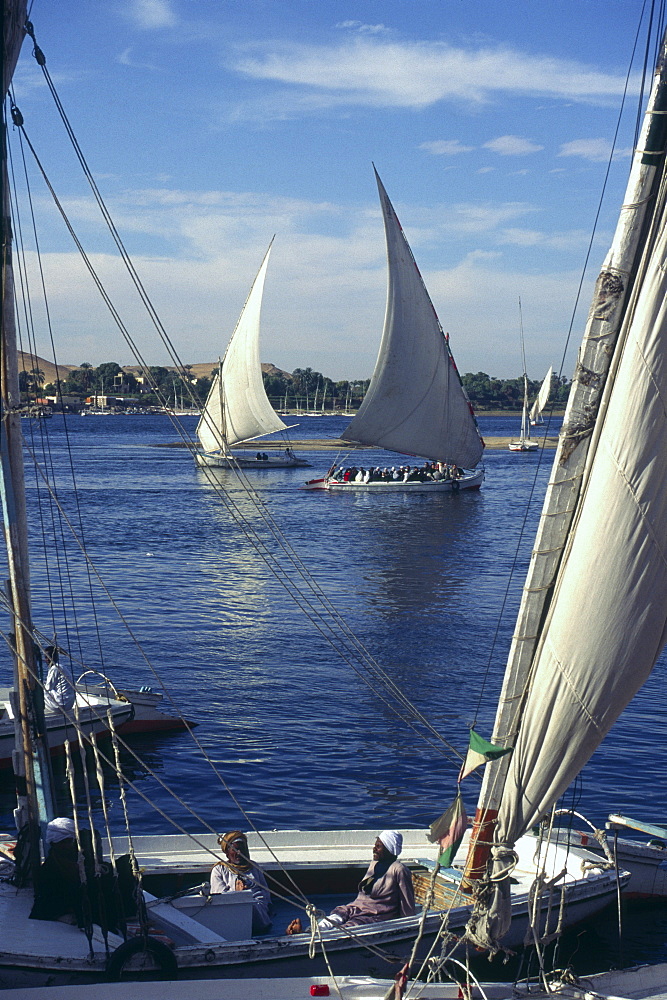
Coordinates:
365	29
512	145
596	150
125	58
150	14
487	217
446	147
368	71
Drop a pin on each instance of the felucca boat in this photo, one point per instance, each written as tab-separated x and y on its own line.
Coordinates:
534	416
416	404
196	934
524	441
237	409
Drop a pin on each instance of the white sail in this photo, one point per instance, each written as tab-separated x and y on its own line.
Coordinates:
415	403
237	408
594	609
537	408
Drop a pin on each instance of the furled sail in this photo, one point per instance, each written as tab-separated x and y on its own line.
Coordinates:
415	403
237	408
537	408
593	616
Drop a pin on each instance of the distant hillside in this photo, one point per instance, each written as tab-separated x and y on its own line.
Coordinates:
202	370
29	361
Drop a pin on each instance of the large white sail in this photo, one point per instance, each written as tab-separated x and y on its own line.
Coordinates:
237	408
537	408
415	403
593	615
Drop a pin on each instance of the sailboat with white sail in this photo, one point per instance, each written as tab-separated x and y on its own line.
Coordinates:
416	404
237	410
524	441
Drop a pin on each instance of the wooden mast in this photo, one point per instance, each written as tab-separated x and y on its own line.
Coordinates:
12	491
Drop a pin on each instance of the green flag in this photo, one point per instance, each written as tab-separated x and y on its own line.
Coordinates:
480	751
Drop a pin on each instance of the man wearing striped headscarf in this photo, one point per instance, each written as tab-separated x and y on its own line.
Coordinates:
238	872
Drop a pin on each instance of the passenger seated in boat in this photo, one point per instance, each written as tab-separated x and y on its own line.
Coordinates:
238	872
385	891
60	892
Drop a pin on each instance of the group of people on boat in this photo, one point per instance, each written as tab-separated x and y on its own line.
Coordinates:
67	886
428	472
261	456
385	891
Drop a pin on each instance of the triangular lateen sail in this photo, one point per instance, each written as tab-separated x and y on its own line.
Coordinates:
415	404
542	398
237	408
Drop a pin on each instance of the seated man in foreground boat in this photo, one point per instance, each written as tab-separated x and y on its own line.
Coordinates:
385	891
238	872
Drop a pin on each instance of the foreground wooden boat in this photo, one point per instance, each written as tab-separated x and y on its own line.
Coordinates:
210	934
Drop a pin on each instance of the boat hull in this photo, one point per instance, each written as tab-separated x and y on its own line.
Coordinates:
92	718
316	861
523	445
470	481
280	461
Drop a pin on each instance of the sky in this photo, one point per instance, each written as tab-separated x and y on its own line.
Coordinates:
212	125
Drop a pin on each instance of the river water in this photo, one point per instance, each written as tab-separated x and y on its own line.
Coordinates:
428	584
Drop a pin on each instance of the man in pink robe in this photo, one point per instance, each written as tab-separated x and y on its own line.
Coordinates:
385	891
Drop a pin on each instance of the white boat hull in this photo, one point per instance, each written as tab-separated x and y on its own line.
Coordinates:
469	481
38	950
218	461
92	718
523	445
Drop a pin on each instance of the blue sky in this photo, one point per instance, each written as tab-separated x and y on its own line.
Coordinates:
210	125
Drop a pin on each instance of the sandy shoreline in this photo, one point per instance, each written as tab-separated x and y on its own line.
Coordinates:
335	444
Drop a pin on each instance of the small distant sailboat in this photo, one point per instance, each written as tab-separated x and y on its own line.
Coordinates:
237	409
416	403
524	442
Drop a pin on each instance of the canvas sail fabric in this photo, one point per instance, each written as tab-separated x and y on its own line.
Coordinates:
607	622
415	403
237	408
542	397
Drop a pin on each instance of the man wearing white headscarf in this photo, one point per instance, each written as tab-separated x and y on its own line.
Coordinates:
385	891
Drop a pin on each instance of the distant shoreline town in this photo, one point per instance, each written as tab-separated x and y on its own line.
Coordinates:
131	388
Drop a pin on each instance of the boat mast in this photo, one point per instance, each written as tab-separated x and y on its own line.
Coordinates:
525	425
26	764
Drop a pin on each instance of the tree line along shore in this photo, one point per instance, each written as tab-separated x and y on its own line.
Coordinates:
303	390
